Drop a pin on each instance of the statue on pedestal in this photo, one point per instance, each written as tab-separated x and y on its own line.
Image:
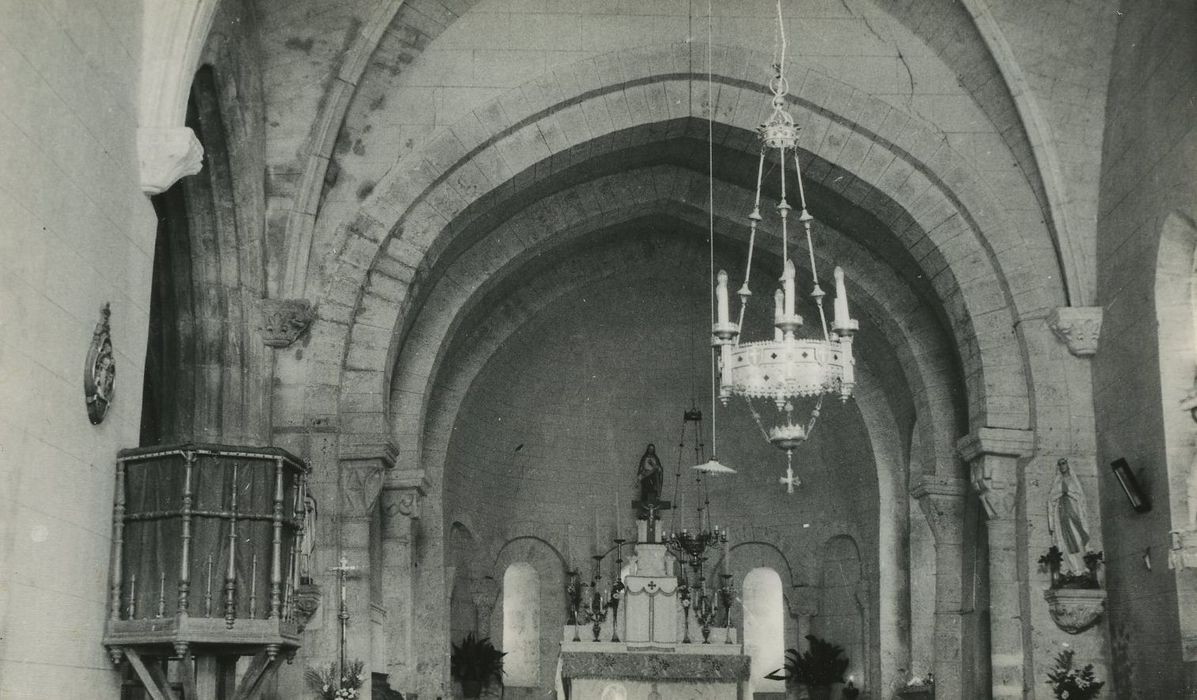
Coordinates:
650	477
1068	518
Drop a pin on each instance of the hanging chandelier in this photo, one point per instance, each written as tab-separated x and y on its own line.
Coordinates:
775	376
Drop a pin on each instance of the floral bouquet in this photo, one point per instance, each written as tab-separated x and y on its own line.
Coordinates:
331	685
1071	683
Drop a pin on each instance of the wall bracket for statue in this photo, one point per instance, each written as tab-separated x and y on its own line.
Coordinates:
99	372
306	600
1075	610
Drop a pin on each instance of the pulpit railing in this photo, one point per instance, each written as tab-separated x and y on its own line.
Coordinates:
205	554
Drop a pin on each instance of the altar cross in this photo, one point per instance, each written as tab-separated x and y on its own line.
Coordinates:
650	510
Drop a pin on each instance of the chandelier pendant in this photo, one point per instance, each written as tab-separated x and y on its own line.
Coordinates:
774	374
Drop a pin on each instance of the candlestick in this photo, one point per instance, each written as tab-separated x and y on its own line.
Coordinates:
615	514
721	298
597	546
787	280
779	313
841	298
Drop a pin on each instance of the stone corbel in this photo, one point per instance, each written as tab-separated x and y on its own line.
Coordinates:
166	155
174	34
1078	327
282	321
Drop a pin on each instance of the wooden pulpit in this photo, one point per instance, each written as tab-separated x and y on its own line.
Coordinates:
205	547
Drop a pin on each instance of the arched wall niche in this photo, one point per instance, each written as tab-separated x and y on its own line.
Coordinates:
844	604
526	549
764	627
521	625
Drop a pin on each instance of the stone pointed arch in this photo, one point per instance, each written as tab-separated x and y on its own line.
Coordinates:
881	157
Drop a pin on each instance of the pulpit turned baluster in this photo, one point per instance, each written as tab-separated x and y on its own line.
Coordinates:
276	544
214	511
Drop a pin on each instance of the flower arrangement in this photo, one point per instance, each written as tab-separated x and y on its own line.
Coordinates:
1053	559
822	665
927	681
476	662
1071	683
331	685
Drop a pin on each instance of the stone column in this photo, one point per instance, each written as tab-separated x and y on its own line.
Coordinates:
401	499
992	455
803	606
360	477
942	502
484	591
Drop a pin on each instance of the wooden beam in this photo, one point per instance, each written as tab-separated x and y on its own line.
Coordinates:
259	669
151	676
187	677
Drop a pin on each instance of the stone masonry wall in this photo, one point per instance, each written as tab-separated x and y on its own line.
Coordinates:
1148	155
77	232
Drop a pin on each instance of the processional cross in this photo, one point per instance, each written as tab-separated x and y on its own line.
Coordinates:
342	571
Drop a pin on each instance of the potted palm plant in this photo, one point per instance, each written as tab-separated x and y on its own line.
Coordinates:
818	668
475	663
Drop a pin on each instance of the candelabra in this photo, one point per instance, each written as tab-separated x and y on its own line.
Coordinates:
573	594
706	611
683	591
726	597
616	590
596	603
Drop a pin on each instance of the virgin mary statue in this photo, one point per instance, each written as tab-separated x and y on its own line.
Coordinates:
1068	518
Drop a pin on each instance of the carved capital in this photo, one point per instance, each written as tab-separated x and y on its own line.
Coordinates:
1078	327
361	480
803	601
282	321
484	591
991	454
402	495
942	502
167	154
996	486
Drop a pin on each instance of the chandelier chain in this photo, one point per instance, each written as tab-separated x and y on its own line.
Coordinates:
711	214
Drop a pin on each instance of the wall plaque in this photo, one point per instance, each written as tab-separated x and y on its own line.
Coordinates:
99	373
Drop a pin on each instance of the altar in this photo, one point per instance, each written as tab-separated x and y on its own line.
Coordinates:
655	645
